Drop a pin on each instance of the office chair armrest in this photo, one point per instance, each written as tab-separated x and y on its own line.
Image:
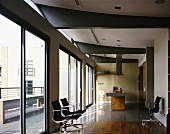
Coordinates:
62	112
75	106
70	106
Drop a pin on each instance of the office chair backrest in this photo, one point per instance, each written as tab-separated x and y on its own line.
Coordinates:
56	114
157	102
64	102
56	105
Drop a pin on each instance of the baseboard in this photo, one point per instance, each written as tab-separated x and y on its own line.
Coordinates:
54	129
98	102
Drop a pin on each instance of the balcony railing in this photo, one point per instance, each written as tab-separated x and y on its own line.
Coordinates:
12	92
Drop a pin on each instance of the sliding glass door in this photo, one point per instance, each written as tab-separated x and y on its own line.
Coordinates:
89	85
70	78
22	80
34	83
79	84
10	76
73	80
63	71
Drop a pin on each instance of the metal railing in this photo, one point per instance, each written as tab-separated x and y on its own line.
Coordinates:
15	91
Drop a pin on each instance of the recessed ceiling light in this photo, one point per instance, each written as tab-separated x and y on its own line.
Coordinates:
117	7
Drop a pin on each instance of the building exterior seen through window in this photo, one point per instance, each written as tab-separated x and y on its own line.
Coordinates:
29	70
28	90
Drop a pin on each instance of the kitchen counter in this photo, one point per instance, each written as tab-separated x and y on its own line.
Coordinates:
117	100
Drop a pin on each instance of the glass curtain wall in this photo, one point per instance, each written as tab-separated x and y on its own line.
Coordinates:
63	65
35	80
70	78
73	80
79	92
12	116
89	85
10	70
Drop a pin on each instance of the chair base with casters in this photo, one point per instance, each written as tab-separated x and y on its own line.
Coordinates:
62	125
74	125
150	121
74	117
62	121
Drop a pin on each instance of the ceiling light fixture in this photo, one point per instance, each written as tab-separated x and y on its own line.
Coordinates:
94	35
117	8
160	1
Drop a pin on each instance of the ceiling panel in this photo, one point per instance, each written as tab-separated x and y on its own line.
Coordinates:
124	56
81	35
132	38
128	7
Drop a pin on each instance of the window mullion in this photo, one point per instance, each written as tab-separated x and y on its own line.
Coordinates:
23	96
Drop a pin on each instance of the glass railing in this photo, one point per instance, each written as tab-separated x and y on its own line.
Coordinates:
14	92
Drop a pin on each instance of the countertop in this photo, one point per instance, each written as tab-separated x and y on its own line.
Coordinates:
116	94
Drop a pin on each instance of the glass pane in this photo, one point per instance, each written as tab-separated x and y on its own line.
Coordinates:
87	85
90	85
73	80
79	82
34	84
63	93
10	63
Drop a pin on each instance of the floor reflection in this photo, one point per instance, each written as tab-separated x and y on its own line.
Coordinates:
102	112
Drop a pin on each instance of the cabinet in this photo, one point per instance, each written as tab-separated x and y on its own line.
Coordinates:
168	76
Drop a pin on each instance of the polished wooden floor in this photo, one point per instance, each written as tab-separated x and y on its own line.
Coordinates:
100	119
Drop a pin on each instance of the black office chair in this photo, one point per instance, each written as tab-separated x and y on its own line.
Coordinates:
66	105
60	115
152	111
57	115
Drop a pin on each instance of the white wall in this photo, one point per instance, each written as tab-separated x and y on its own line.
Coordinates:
161	72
